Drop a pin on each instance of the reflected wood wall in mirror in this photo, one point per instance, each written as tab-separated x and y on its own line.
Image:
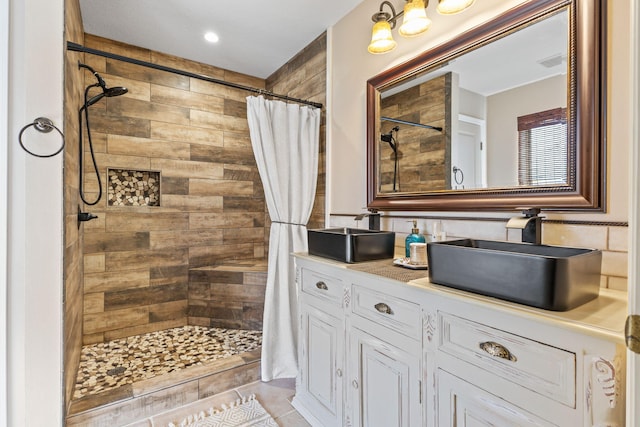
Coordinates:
413	158
444	133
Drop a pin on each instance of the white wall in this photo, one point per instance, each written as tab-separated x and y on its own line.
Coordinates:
34	315
472	104
351	66
503	110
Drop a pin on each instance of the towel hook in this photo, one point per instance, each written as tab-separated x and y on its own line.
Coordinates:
44	125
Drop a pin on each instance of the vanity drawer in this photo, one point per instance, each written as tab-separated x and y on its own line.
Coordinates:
541	368
395	313
322	286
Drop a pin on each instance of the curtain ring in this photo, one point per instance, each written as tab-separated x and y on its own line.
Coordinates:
44	125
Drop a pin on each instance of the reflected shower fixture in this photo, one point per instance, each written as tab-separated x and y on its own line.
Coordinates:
388	137
105	92
415	21
393	143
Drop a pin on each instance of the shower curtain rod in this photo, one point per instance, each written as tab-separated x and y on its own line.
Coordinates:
79	48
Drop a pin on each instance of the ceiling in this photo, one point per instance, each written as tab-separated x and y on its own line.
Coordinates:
256	37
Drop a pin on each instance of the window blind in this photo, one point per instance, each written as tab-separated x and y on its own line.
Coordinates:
542	148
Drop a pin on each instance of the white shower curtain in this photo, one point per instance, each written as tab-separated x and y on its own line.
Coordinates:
285	144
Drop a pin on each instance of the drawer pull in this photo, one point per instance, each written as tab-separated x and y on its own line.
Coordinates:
322	286
339	372
383	308
497	350
354	384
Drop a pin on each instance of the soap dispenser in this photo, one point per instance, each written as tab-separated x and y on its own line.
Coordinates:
414	237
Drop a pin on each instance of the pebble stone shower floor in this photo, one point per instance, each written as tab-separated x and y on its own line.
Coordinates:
105	366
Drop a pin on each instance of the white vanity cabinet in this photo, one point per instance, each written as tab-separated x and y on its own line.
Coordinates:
384	358
498	367
384	381
359	351
377	352
462	404
321	348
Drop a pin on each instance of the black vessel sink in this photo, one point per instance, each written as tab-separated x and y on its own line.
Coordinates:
351	244
549	277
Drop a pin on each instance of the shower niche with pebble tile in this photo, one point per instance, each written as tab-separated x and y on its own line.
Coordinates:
128	187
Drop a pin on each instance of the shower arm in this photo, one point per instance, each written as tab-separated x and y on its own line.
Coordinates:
101	82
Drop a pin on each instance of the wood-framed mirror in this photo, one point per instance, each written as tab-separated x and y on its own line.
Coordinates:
506	115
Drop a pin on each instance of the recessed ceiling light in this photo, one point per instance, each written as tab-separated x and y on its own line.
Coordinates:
211	37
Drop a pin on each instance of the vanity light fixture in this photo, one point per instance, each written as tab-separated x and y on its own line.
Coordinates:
450	7
415	21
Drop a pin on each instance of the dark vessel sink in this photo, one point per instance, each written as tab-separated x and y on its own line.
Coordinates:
351	244
549	277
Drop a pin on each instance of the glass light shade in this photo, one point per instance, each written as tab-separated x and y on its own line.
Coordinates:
415	20
450	7
381	38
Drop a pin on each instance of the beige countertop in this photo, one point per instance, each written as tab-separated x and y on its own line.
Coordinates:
602	317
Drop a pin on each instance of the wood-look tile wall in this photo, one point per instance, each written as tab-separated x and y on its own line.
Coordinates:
73	298
424	155
305	77
137	259
232	295
229	295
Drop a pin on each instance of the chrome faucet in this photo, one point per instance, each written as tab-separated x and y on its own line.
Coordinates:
530	224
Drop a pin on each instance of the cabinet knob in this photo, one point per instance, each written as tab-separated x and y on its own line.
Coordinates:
339	373
354	383
383	308
322	286
498	350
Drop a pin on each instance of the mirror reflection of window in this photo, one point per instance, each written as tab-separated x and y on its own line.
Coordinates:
542	148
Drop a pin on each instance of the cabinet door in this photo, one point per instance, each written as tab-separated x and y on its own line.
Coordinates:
384	382
461	404
320	385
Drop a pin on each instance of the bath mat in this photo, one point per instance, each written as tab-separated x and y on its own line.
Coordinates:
245	412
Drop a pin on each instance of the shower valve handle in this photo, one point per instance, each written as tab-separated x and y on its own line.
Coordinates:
86	216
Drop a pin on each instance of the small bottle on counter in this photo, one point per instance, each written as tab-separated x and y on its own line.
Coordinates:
438	233
414	237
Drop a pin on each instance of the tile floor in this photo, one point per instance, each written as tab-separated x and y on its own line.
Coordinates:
178	353
274	396
106	366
